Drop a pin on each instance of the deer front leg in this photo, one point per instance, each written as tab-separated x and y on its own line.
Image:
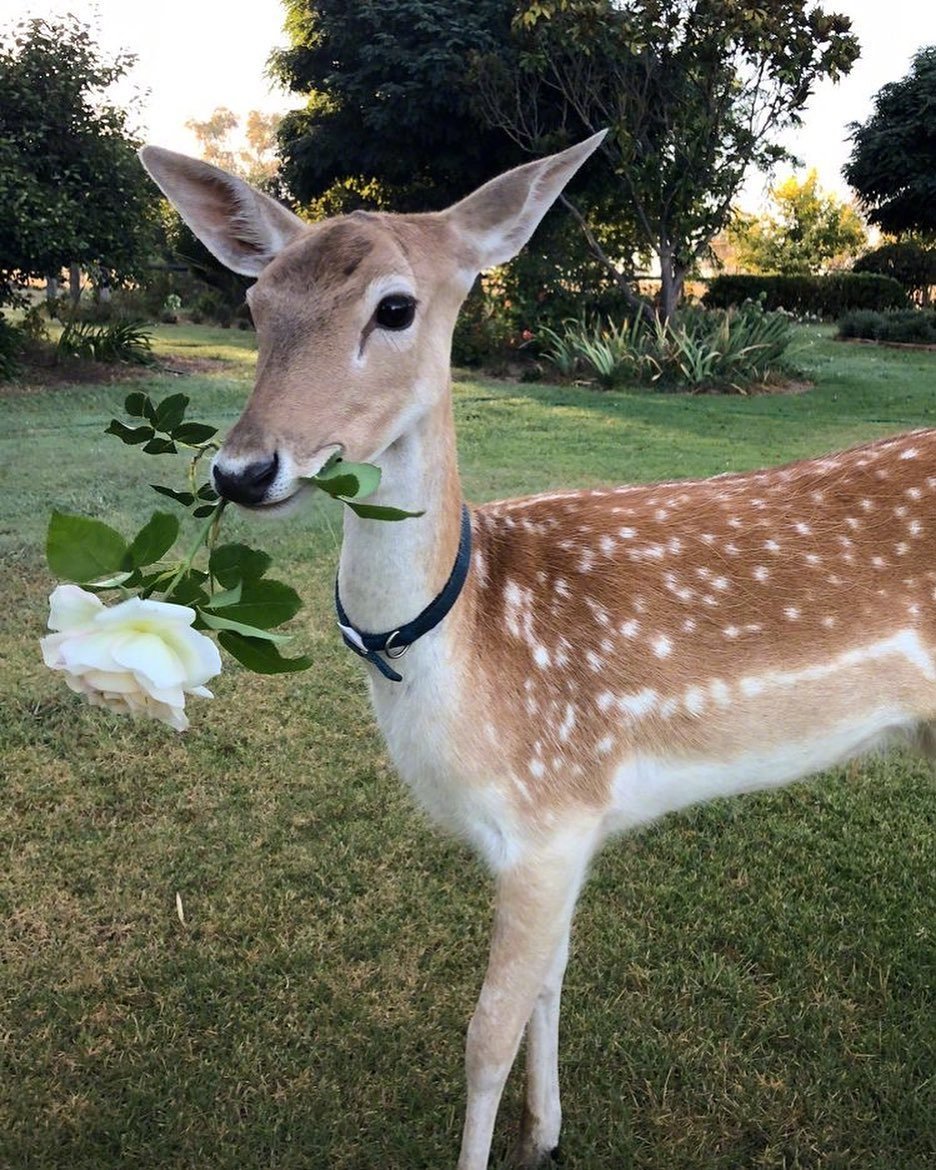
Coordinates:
533	910
542	1111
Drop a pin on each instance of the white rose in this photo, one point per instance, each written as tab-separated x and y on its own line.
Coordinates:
138	657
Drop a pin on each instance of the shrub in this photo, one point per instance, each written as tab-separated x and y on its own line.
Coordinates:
912	326
825	296
695	349
121	341
12	339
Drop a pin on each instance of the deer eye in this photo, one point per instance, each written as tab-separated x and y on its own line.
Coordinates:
396	312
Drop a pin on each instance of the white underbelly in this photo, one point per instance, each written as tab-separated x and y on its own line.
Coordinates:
645	787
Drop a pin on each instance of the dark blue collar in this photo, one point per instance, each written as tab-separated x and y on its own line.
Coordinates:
397	642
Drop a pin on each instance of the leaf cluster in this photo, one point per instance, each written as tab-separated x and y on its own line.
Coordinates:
389	98
893	161
806	231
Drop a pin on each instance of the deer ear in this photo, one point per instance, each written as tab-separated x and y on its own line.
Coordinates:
237	223
498	219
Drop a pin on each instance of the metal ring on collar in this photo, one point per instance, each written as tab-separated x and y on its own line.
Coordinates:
394	652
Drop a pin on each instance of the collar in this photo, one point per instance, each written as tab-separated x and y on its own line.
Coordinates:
395	643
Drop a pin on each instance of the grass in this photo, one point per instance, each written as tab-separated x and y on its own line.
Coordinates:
751	982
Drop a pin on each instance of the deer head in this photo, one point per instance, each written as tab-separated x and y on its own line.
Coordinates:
354	316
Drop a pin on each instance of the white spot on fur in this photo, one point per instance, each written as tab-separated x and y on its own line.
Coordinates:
662	646
639	704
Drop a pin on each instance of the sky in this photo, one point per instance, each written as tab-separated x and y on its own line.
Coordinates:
194	55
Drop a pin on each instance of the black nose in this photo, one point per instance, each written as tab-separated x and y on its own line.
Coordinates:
249	484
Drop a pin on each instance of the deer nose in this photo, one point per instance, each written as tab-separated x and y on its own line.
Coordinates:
247	485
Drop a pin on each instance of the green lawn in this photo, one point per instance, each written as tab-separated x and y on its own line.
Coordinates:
751	982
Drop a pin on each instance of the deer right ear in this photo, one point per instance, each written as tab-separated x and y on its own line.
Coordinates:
497	220
237	223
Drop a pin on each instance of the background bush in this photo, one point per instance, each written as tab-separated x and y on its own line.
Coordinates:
824	296
12	340
696	349
915	326
119	341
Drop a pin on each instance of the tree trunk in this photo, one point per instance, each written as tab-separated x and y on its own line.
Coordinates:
672	278
52	287
74	284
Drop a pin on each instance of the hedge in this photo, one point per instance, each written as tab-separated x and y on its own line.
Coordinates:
912	326
823	296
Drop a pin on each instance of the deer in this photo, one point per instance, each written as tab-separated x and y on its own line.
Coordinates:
579	662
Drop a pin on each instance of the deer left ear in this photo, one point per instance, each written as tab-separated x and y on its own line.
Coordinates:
497	220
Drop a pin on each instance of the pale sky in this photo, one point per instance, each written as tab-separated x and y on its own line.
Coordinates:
195	55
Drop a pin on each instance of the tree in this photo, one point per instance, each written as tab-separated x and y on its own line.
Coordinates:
72	189
893	161
391	123
388	99
809	231
253	158
692	92
907	261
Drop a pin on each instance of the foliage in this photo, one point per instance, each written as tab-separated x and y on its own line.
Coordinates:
71	187
915	326
118	341
692	92
554	277
907	262
11	345
807	232
388	98
694	349
807	296
253	158
893	161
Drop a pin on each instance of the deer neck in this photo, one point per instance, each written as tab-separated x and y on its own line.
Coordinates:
390	571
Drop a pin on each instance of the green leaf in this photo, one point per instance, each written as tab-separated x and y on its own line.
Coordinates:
129	435
138	405
204	510
184	498
189	591
231	563
226	597
378	512
80	549
207	492
131	577
338	486
153	540
355	480
260	656
215	621
193	432
160	447
170	412
265	604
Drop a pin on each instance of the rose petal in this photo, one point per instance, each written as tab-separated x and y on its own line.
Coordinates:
51	647
71	607
199	655
148	655
81	652
139	610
